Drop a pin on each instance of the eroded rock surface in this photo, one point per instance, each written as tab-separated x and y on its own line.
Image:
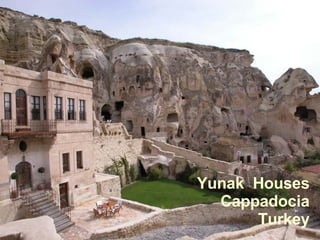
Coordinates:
186	93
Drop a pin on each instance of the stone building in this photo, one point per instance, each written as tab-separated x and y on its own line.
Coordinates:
46	134
242	149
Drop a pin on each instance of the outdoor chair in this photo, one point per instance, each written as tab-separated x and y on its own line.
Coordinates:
97	212
99	204
119	203
115	209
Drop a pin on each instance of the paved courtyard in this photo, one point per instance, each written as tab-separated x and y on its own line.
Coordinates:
86	223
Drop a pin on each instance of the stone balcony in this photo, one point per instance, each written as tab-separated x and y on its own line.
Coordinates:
33	128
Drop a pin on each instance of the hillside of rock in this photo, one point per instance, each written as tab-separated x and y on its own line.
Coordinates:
186	93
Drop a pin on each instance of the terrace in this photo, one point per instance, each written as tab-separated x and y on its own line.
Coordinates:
33	128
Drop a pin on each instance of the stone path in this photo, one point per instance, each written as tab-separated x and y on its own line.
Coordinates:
195	231
167	233
75	233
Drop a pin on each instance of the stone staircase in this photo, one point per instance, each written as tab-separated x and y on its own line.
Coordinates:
39	204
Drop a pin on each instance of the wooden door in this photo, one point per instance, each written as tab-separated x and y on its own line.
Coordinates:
21	107
63	191
23	169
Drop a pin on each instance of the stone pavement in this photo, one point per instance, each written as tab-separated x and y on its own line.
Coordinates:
86	223
75	233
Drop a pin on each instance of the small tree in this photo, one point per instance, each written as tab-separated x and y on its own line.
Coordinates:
132	171
155	174
125	163
115	169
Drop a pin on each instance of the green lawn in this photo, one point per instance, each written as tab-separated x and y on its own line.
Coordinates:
167	194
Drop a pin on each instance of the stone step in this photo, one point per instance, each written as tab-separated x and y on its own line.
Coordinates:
60	218
64	226
51	211
62	222
37	199
40	205
45	204
34	195
55	214
48	210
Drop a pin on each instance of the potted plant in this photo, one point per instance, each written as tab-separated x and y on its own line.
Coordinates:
13	181
41	185
14	176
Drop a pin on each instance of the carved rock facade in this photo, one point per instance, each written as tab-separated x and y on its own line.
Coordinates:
185	93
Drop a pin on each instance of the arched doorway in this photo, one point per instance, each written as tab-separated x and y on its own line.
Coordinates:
21	107
106	112
23	169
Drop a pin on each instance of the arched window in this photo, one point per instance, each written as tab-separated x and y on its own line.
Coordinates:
21	107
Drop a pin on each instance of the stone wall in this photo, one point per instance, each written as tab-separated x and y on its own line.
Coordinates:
195	157
108	147
202	214
83	194
108	185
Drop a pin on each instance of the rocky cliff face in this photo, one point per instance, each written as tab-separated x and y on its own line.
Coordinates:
189	94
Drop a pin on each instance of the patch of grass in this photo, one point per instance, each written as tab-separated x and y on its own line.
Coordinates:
166	193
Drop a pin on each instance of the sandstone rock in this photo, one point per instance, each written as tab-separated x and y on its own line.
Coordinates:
280	145
188	93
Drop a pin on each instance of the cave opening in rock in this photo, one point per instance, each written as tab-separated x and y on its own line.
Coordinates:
305	114
131	90
53	58
87	72
119	105
172	117
310	141
129	125
142	171
106	112
143	132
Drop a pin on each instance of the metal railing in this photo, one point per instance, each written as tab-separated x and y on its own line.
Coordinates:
10	126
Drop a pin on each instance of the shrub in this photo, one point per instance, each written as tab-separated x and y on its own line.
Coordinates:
14	175
192	179
125	163
290	167
205	153
187	172
155	174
